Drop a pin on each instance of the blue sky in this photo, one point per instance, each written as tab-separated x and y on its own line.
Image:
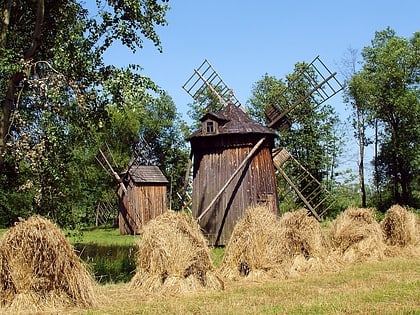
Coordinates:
243	40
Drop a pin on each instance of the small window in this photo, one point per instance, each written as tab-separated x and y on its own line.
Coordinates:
210	127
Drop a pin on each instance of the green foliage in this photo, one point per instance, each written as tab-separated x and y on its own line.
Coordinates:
61	103
386	91
205	102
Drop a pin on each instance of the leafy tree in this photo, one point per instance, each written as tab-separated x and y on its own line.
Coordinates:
354	94
387	86
60	102
205	102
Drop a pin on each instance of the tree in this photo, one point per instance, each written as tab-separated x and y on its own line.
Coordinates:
354	95
312	138
389	87
58	98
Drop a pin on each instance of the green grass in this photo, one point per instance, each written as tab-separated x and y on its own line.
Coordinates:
109	255
109	263
100	236
216	255
387	287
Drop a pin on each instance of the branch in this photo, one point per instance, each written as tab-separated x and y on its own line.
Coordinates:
37	30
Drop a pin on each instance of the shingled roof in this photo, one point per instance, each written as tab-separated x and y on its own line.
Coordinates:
233	120
146	174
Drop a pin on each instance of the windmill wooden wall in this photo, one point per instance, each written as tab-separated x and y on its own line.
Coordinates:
224	141
144	199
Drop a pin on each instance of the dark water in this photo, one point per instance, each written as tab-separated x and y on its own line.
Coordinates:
109	264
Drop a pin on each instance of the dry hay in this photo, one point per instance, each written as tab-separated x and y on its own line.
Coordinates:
400	228
303	244
357	236
40	270
253	251
173	257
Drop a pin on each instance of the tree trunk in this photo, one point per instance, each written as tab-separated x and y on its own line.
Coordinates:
7	106
361	135
378	191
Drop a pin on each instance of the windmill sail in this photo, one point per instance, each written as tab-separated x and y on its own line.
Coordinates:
205	79
322	85
316	198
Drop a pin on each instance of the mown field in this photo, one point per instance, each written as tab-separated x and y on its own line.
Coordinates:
388	287
391	286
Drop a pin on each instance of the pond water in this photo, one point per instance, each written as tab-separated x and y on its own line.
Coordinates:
109	263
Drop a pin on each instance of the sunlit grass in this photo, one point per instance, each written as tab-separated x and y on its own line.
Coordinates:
388	287
101	236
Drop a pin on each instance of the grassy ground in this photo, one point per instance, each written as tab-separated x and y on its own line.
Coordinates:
388	287
109	255
101	236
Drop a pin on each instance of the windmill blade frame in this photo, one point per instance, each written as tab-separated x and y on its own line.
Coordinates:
206	78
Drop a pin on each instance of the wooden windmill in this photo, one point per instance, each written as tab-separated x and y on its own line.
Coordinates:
142	190
232	163
205	79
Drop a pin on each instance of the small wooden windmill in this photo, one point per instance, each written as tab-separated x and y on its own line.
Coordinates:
141	191
205	79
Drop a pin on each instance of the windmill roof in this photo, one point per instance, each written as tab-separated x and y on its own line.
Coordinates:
233	120
146	174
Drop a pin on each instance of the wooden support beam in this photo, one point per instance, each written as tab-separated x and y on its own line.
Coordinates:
250	154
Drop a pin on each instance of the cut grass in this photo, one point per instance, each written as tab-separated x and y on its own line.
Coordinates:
388	287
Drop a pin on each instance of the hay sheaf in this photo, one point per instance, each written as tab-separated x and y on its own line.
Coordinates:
400	228
39	269
301	234
357	236
303	244
173	257
253	250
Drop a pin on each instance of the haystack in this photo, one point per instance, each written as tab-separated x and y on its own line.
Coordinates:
173	257
357	236
400	228
303	244
39	269
253	249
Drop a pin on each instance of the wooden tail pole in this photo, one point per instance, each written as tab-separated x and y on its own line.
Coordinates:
117	177
250	154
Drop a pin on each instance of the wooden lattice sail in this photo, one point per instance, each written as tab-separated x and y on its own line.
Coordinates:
317	199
